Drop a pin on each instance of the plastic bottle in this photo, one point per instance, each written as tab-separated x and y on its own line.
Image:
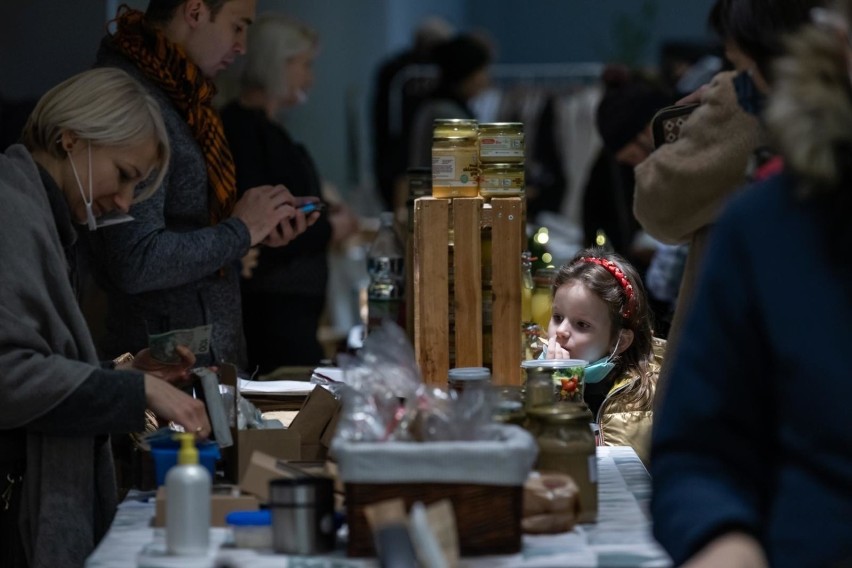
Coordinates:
386	267
187	502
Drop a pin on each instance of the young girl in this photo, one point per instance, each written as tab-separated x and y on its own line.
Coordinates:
600	314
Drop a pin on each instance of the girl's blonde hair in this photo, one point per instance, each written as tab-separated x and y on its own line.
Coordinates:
106	107
272	40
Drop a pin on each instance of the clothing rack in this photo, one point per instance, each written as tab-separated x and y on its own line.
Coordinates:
502	74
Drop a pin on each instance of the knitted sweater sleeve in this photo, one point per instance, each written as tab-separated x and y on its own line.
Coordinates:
146	255
682	186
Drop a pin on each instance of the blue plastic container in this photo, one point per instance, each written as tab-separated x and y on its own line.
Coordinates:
165	451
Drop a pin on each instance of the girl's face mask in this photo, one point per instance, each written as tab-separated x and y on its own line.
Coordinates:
597	371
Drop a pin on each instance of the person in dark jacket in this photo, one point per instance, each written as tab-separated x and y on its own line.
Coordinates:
86	151
177	265
284	297
750	453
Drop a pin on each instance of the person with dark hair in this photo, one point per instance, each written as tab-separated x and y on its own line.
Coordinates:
750	455
623	119
600	314
178	264
682	186
463	62
398	92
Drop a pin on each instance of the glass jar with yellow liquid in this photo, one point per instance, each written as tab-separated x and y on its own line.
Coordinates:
542	296
455	158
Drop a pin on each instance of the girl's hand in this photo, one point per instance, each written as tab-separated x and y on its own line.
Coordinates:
555	351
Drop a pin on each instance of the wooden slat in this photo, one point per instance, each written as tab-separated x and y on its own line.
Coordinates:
507	244
467	302
431	285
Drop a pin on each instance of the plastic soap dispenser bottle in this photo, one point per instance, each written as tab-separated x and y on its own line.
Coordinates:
187	502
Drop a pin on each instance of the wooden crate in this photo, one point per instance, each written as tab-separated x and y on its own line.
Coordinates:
433	219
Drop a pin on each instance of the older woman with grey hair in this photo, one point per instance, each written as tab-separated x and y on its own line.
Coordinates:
284	298
93	144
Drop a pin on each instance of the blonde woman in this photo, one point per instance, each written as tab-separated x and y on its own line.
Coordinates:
284	298
93	145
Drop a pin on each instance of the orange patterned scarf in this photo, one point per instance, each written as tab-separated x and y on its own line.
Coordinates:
166	65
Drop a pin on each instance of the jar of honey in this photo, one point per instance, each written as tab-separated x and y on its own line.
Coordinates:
501	180
501	142
455	158
566	444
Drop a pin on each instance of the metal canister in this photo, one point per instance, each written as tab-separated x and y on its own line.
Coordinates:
501	142
566	444
455	158
501	180
302	515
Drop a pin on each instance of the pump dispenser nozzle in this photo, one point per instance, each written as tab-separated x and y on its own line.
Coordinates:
188	453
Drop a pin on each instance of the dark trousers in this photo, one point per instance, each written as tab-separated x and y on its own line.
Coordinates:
11	544
281	330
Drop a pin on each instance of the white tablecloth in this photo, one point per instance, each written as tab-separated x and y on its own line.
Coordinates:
620	538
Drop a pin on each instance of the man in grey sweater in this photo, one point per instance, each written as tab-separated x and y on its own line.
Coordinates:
177	264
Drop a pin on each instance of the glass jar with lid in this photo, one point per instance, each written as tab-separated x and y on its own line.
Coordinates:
566	444
463	378
455	158
501	180
554	380
501	142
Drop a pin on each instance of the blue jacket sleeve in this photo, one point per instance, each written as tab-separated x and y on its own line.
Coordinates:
711	443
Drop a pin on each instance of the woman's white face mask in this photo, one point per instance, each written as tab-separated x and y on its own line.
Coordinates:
111	218
91	222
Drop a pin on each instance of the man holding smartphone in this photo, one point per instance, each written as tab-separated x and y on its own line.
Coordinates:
176	265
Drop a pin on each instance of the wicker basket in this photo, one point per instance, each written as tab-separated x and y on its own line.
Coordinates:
483	480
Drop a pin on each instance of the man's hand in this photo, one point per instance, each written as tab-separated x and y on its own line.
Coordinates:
293	225
264	208
732	550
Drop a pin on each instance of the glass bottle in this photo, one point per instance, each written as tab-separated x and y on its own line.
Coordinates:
542	296
385	265
566	444
531	332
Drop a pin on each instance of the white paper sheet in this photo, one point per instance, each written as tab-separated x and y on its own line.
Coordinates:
291	388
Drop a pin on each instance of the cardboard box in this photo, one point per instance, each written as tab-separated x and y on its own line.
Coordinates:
307	439
222	501
263	468
283	444
316	423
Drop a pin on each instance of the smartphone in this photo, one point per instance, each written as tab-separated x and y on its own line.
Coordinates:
312	206
666	124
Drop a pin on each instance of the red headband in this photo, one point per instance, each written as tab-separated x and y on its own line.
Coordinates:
619	275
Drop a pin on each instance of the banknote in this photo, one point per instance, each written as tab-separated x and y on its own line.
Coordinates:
163	345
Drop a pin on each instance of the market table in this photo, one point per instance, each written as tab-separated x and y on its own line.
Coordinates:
620	538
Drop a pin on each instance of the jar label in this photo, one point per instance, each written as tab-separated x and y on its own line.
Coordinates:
501	147
593	468
456	168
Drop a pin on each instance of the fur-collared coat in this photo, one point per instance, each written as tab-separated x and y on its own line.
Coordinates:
682	186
